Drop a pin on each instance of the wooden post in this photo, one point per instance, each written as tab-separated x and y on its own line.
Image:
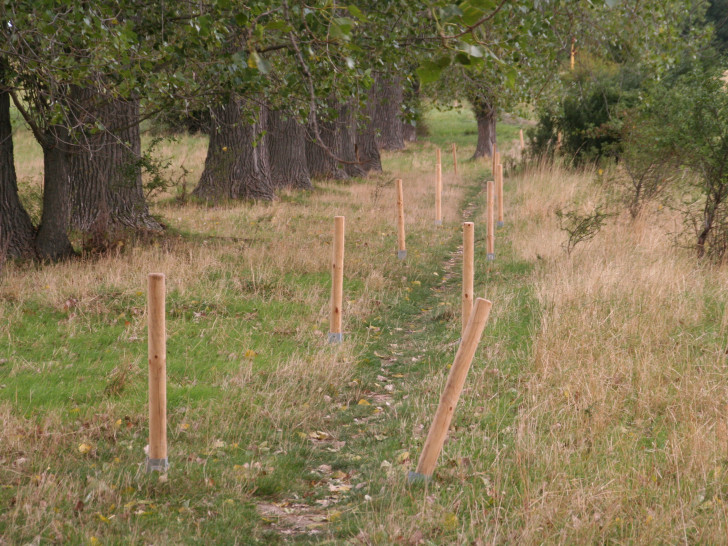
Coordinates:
450	396
455	157
523	144
438	190
573	41
499	178
468	271
402	250
337	281
157	353
490	247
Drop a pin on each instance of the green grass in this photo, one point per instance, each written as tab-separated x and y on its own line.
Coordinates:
254	408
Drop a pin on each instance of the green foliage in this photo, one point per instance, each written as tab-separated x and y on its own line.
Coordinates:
690	123
646	170
580	227
590	114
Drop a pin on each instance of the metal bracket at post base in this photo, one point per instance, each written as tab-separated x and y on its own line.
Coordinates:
157	465
415	477
499	224
335	338
438	222
490	256
401	254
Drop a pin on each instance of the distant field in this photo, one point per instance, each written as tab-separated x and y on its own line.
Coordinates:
594	410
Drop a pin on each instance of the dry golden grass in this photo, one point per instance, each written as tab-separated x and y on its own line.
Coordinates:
622	429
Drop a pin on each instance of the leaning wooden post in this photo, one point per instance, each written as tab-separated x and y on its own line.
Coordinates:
438	190
402	250
455	157
490	247
337	281
468	271
499	178
157	352
450	396
523	144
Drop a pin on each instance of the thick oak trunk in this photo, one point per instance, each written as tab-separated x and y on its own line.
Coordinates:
366	142
236	166
322	162
52	242
409	132
347	145
485	116
387	107
106	174
287	151
16	229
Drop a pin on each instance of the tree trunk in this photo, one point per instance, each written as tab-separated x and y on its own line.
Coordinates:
16	229
52	241
347	145
323	164
287	151
387	112
409	132
366	142
236	166
485	116
106	174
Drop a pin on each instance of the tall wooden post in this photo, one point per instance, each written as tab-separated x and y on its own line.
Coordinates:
402	248
523	144
438	190
455	158
337	281
573	42
499	179
468	271
451	395
157	352
490	241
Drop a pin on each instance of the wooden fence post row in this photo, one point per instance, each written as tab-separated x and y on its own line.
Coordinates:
337	281
450	396
402	244
157	352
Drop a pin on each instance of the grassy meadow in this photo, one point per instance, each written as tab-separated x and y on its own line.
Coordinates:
594	410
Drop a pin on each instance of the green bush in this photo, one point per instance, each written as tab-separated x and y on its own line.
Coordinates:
590	114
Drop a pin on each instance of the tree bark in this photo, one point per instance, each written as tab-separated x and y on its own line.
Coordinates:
367	149
16	229
388	97
105	169
236	166
52	242
287	151
323	164
347	145
485	116
409	132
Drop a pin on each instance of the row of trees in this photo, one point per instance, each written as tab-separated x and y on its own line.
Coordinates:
291	91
